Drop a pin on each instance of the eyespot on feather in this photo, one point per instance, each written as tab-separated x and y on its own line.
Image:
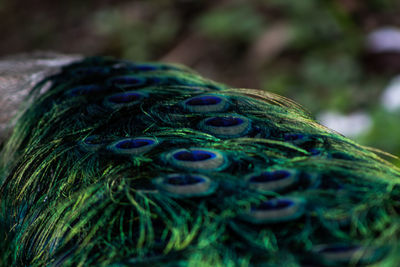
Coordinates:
93	143
226	126
343	254
197	159
275	211
306	141
133	146
296	138
83	90
144	67
124	99
256	132
273	180
315	151
185	185
127	81
205	103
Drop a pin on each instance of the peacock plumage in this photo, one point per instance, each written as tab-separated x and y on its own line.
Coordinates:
116	163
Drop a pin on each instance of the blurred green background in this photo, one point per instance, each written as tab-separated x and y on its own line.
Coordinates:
312	51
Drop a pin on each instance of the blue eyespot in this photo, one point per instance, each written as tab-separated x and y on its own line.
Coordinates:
275	210
272	180
197	159
226	126
184	180
342	254
93	143
141	67
185	185
256	132
127	81
193	156
204	100
224	121
90	89
310	141
315	151
206	103
125	99
295	137
133	146
195	89
273	205
338	249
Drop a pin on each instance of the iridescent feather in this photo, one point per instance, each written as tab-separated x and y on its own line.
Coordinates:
120	163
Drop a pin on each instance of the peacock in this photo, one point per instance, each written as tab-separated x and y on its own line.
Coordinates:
119	163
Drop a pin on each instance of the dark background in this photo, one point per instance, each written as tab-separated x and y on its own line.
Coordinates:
312	51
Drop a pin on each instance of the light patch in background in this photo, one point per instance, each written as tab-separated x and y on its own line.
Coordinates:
385	39
351	125
391	95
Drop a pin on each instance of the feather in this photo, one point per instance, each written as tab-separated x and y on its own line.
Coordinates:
119	163
125	99
206	103
275	210
133	146
275	180
226	126
197	159
186	185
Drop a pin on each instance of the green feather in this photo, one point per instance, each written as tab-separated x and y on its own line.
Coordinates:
121	163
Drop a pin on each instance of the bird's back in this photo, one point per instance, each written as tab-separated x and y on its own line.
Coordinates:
120	163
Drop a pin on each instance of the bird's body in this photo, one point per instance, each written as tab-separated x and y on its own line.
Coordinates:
121	164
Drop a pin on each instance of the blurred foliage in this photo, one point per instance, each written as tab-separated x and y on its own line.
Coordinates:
312	51
218	23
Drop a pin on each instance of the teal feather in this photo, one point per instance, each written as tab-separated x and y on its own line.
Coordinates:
121	163
186	185
206	103
274	180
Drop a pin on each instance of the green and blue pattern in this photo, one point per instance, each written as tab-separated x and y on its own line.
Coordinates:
127	164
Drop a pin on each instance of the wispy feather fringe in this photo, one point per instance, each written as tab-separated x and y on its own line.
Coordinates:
69	198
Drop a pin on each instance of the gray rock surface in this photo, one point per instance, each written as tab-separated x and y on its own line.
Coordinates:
18	74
